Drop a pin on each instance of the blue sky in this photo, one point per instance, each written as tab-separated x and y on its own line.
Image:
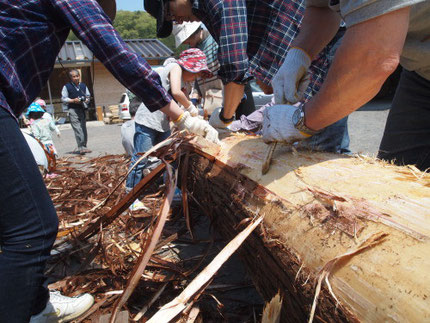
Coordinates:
131	5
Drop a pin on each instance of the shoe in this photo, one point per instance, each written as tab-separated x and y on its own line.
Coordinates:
62	308
81	151
86	150
137	205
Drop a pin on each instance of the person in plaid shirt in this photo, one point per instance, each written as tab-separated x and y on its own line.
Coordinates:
32	33
254	38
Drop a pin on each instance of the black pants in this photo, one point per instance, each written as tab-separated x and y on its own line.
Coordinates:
406	137
28	227
247	106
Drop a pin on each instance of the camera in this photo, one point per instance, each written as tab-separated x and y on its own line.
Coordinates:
82	98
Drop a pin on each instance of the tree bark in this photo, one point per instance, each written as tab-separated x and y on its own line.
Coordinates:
317	207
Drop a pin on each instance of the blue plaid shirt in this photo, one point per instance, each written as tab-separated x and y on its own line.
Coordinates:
254	37
32	33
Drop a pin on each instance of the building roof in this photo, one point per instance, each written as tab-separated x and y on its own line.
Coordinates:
75	52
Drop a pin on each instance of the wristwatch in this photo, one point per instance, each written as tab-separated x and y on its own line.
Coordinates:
221	117
299	122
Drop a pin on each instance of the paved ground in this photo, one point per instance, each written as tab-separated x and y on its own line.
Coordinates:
365	128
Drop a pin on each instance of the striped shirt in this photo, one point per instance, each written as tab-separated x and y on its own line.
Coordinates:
210	48
32	33
254	37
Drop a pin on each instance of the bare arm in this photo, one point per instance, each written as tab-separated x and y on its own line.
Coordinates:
369	53
233	94
175	86
319	26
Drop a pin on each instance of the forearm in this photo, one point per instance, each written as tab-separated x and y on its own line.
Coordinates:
369	53
319	26
172	110
181	98
233	94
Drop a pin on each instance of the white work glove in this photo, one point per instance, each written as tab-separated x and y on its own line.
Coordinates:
197	126
216	122
278	125
192	110
291	81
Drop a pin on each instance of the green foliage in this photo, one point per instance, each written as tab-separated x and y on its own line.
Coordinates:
138	25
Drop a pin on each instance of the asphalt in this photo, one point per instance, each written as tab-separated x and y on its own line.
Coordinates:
366	127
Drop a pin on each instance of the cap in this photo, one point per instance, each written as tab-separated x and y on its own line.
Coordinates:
183	31
34	107
156	8
194	60
41	102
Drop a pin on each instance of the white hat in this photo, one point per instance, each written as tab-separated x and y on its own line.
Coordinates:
183	31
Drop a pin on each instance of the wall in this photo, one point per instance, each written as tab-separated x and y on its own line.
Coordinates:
107	90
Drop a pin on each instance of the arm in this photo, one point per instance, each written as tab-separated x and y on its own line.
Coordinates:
319	26
233	94
175	77
228	25
87	95
65	96
369	53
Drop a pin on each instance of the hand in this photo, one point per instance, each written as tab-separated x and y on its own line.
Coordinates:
197	126
192	110
76	100
215	120
58	134
291	81
278	125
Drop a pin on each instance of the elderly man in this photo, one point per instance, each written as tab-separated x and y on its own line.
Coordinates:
253	38
379	35
31	36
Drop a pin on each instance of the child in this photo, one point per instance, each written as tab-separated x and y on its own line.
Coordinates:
47	115
41	129
152	128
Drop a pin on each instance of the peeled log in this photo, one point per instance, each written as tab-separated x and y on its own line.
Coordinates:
318	206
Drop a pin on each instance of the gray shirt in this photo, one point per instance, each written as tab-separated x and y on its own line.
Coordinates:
157	120
416	51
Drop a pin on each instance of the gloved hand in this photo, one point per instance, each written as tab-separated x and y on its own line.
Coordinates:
278	125
215	120
197	126
291	81
192	110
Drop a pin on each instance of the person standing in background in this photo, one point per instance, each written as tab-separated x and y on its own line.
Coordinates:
76	96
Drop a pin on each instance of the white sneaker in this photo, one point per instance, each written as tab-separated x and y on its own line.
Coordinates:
62	308
137	205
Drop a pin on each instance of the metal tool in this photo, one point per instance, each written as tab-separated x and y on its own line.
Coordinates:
268	159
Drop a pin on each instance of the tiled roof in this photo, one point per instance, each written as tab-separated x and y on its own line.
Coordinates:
76	52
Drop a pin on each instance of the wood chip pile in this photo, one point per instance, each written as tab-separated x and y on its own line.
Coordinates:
103	262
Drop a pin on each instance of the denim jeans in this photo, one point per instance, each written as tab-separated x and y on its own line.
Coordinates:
406	138
144	139
79	124
28	227
334	138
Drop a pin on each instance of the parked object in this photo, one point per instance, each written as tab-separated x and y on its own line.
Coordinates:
123	107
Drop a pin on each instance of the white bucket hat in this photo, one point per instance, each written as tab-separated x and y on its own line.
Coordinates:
183	31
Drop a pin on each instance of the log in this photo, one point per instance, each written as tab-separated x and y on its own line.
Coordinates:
319	206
